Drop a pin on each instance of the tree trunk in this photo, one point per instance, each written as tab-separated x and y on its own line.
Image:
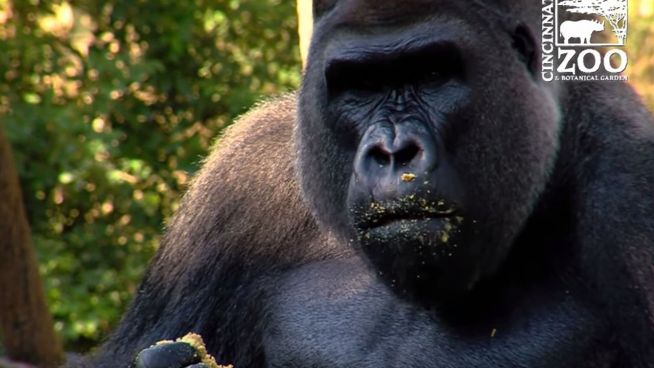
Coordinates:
305	26
26	326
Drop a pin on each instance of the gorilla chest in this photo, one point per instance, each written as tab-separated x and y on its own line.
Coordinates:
349	319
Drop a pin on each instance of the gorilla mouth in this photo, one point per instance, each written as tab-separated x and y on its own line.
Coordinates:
409	217
407	209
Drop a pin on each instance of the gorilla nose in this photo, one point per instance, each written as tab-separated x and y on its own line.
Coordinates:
405	155
386	156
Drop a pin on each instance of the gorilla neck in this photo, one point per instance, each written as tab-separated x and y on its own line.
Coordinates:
541	260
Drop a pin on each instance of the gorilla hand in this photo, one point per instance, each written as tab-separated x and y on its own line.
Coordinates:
186	352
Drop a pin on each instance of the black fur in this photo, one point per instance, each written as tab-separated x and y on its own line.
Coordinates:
241	222
554	263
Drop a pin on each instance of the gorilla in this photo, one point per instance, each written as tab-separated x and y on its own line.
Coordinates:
426	200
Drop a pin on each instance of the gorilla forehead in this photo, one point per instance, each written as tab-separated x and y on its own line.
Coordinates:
371	11
361	26
357	13
345	44
393	13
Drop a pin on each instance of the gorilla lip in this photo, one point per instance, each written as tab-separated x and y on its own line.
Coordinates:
389	220
383	214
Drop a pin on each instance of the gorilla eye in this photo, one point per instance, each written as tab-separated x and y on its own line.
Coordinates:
352	77
358	71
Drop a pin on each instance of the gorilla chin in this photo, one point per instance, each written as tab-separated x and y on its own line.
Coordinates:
419	247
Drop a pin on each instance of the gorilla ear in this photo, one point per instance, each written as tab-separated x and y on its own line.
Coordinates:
320	7
525	44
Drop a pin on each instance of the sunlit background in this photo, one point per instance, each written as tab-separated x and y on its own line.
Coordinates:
110	106
640	46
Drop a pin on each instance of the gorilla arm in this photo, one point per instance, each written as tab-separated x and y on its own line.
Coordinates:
242	220
616	210
337	314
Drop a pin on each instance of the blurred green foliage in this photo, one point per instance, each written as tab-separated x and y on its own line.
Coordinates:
640	46
110	106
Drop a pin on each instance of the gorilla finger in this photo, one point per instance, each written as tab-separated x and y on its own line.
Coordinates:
170	355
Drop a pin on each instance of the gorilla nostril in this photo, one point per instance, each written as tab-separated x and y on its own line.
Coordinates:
380	156
407	154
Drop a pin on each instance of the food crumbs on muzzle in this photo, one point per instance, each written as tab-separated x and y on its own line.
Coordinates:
408	177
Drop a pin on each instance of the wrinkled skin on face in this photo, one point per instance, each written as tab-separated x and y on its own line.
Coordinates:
402	140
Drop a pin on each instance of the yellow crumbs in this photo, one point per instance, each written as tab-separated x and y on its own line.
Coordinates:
408	177
196	341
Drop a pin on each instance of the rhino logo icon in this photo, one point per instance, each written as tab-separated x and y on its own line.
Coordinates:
581	29
609	15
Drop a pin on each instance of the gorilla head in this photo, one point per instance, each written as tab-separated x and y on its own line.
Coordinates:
423	139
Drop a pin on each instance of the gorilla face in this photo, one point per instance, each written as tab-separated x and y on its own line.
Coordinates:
425	144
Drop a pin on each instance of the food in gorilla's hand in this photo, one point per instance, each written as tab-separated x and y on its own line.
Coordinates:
199	354
196	341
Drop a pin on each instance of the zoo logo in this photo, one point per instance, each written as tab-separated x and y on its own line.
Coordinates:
570	47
